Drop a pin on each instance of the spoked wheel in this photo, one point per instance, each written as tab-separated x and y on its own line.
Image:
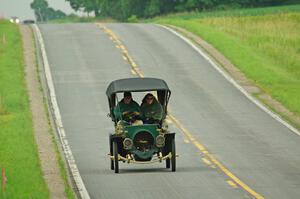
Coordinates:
173	158
112	166
116	159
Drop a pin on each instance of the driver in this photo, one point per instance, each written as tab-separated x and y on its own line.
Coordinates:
127	109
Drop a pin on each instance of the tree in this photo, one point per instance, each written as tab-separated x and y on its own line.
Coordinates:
152	8
87	5
168	6
44	13
123	9
39	7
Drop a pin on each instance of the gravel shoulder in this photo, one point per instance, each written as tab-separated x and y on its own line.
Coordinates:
44	139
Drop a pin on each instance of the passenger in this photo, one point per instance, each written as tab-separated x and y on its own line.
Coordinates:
127	109
151	109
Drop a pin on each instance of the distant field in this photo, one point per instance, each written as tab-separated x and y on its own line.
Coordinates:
231	13
18	151
76	19
263	43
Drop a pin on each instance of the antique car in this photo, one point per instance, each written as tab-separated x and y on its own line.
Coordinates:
143	142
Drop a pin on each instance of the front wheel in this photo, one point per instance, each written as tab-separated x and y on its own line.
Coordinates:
116	158
173	158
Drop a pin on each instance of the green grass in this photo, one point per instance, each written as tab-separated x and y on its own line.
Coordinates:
231	13
263	43
18	151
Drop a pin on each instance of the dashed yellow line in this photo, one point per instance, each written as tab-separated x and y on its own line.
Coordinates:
206	161
208	158
232	184
214	160
125	58
133	72
186	140
123	48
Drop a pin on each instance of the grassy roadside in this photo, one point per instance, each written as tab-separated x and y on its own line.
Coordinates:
230	13
18	151
69	192
263	43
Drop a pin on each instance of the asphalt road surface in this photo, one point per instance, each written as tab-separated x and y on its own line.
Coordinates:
260	151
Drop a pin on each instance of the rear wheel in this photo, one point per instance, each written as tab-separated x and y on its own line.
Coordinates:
173	158
112	166
116	159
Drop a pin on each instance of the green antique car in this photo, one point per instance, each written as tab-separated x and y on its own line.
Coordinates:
140	142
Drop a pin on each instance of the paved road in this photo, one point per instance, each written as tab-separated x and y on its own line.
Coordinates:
257	149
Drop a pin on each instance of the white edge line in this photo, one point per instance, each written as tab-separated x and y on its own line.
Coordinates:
57	118
233	82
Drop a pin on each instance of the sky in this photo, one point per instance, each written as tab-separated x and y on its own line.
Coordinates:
21	8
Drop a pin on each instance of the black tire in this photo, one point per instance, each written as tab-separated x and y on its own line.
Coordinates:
167	150
112	166
173	158
168	163
116	160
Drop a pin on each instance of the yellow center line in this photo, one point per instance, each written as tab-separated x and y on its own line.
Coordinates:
206	161
186	140
125	58
133	64
232	184
215	161
208	158
133	72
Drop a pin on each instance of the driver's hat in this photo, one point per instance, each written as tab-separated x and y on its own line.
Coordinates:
127	94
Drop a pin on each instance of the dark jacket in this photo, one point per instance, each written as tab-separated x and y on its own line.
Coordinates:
122	107
152	111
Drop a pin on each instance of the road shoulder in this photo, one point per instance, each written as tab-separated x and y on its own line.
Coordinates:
44	139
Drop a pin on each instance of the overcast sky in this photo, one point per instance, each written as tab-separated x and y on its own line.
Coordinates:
21	8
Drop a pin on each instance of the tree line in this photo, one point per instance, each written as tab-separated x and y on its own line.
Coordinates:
43	12
123	9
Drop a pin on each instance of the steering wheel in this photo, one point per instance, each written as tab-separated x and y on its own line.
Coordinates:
151	121
130	116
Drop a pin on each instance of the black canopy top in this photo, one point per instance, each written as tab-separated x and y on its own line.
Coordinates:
136	85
